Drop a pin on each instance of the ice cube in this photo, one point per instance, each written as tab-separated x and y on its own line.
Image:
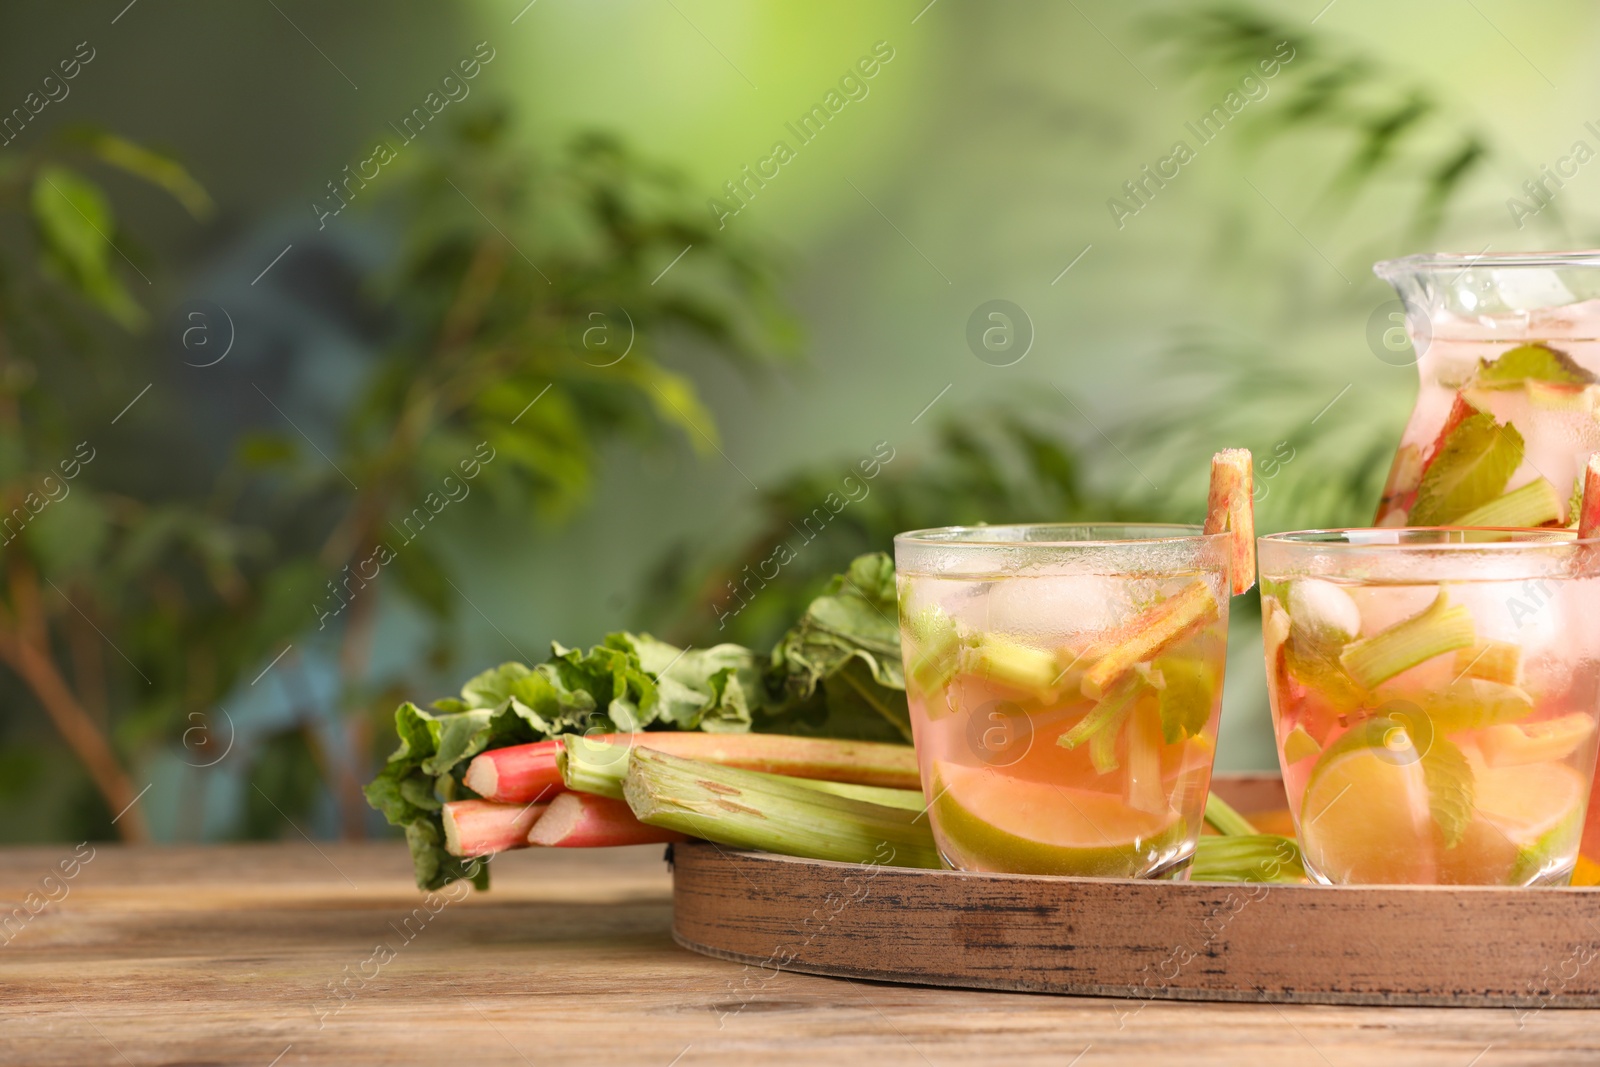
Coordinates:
1052	608
1524	289
1323	610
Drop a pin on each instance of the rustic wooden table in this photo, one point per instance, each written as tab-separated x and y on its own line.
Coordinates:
289	954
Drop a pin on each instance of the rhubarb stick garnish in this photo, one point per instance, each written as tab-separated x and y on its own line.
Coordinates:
578	820
1231	508
1442	627
1589	509
479	827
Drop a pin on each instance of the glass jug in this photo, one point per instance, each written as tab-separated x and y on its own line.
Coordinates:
1508	347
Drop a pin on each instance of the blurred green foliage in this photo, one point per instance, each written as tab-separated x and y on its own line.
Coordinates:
127	617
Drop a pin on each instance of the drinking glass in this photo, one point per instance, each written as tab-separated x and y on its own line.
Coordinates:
1065	684
1434	695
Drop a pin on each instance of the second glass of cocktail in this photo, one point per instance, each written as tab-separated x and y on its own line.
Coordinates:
1435	694
1065	684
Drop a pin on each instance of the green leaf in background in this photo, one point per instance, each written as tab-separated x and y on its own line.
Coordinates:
1473	467
68	535
154	167
75	224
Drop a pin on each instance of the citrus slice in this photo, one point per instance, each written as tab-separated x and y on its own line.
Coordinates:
1528	817
987	821
1510	745
1364	817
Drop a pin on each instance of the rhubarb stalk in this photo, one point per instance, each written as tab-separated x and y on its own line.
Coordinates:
579	820
597	768
1532	505
518	773
1230	508
479	827
1247	858
1441	628
596	765
742	809
1147	635
1589	509
1018	667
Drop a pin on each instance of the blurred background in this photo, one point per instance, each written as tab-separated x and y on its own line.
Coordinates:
347	350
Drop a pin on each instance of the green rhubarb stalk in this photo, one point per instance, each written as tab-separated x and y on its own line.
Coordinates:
589	766
935	646
1268	858
746	809
1105	716
1013	665
1441	628
599	767
1225	820
1532	505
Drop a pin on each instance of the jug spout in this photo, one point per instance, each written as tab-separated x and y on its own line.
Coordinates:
1508	407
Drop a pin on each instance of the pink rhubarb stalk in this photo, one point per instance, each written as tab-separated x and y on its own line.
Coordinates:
1589	509
519	773
1231	508
582	820
479	827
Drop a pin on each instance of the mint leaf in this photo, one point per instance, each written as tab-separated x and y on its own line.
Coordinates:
1450	789
1477	460
1536	362
1186	699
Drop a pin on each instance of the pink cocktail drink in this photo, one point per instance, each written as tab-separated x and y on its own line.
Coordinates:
1065	685
1435	695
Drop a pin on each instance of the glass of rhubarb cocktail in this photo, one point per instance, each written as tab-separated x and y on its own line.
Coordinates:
1434	694
1065	684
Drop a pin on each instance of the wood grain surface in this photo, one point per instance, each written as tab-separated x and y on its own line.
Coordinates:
1521	949
225	955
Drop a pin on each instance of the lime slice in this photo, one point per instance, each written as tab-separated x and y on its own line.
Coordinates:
1527	817
1510	745
987	821
1364	817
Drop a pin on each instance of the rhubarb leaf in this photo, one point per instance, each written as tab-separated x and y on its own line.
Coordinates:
843	658
1477	460
1536	362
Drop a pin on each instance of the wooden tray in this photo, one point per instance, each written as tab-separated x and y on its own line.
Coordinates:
1479	946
